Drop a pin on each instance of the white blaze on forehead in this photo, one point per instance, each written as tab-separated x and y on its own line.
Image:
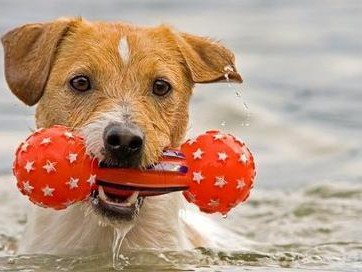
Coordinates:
123	49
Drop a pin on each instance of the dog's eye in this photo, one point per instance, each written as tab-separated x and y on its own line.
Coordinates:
161	87
80	83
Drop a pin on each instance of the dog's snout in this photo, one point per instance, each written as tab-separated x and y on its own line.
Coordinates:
123	141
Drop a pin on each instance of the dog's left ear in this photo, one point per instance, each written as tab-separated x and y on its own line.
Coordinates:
207	60
29	53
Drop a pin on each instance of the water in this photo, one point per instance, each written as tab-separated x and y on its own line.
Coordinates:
317	228
118	260
302	71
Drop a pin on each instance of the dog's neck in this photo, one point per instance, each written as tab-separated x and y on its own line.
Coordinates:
73	232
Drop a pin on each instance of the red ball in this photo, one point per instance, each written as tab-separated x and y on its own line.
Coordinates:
52	168
221	170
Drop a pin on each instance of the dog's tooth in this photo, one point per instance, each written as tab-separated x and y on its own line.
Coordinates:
101	193
133	198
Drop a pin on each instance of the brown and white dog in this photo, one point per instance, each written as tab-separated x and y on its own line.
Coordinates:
126	89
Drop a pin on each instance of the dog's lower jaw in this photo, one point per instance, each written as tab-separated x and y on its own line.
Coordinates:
70	231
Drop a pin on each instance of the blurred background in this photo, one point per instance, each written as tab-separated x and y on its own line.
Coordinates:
301	62
299	109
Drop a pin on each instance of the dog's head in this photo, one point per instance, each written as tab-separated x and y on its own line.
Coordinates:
126	88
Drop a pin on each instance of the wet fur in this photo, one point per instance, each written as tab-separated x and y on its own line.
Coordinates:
51	53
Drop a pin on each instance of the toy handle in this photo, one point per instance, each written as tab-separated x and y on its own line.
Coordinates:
169	175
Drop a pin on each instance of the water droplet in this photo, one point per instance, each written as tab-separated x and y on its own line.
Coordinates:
95	201
225	216
239	93
119	261
226	75
246	106
223	123
11	261
228	69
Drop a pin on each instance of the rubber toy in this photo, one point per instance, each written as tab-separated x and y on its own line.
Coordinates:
215	171
222	171
52	168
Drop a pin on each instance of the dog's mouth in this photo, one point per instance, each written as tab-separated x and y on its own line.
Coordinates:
121	190
116	207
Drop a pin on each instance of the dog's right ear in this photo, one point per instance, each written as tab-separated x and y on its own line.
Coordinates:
29	54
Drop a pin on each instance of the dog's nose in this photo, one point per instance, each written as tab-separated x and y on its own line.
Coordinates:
123	141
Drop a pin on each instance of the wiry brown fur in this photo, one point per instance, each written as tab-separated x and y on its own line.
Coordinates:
40	59
91	49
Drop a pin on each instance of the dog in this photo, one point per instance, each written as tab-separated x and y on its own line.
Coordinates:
126	89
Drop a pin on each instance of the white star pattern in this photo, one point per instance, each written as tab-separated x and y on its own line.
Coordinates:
92	180
243	158
222	156
46	141
29	166
198	147
72	157
24	147
192	141
197	154
68	135
50	167
73	183
27	187
197	177
48	191
240	184
220	182
218	137
214	203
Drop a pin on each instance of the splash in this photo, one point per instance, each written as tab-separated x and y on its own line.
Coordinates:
238	93
119	261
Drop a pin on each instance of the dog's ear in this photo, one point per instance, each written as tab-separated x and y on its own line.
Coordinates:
207	60
29	54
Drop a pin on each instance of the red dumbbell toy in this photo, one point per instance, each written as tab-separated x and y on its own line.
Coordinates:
215	171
